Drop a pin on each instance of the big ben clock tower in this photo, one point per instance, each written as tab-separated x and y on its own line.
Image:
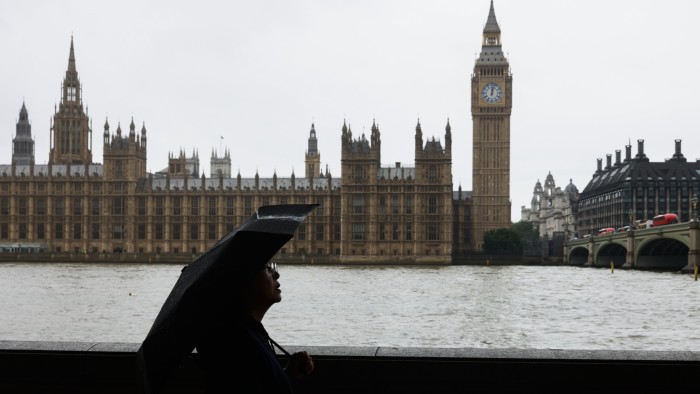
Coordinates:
492	95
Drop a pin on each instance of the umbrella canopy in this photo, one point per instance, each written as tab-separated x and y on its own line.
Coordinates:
203	293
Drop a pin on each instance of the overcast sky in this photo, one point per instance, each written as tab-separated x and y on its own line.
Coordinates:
588	77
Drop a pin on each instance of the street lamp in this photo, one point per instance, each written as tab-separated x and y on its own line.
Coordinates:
566	231
694	205
631	213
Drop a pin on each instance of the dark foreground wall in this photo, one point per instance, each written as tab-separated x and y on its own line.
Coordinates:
69	367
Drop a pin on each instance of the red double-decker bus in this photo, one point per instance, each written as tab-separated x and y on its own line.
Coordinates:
664	219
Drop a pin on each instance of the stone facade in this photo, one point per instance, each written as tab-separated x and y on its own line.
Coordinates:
552	209
372	213
491	103
635	188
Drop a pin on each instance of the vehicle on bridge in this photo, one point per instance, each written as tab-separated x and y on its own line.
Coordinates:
640	224
607	230
664	219
623	229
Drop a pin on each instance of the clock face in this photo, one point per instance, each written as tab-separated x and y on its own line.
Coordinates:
491	92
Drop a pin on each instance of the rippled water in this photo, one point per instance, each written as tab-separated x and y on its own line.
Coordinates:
452	306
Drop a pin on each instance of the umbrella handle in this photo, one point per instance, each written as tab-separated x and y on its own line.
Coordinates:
279	347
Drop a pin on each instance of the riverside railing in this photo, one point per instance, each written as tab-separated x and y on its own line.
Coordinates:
82	367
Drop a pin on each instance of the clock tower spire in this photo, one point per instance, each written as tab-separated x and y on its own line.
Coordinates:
491	103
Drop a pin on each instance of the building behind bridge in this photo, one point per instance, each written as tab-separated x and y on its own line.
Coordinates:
635	188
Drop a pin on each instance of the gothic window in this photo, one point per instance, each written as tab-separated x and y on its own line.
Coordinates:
23	231
432	172
382	204
248	206
358	172
395	231
177	206
320	232
118	170
158	231
41	206
40	231
211	231
71	93
23	206
141	233
176	231
118	206
358	231
194	206
358	204
194	231
59	206
336	231
432	231
77	206
118	231
95	209
211	206
4	231
409	204
301	232
58	233
95	231
141	206
409	232
395	202
77	231
381	232
229	206
432	205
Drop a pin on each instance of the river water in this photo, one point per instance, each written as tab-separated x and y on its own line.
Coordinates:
527	307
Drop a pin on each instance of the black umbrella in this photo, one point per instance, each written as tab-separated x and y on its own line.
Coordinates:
202	294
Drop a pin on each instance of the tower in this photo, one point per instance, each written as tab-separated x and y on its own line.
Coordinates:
23	143
71	138
491	108
313	156
220	166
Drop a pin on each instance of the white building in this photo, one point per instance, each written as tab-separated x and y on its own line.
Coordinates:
552	209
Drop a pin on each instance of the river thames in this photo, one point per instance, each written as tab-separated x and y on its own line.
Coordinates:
527	307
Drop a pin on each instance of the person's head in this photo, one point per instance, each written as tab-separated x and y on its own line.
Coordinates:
261	290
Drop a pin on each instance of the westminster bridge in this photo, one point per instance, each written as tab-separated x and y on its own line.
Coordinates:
673	247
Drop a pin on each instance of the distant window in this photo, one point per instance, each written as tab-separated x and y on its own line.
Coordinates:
358	231
71	93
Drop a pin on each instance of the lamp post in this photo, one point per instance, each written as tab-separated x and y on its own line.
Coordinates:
566	231
694	205
631	213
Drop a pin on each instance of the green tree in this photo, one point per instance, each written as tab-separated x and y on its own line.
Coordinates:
504	240
525	230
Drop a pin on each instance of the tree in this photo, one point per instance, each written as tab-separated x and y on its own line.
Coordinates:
525	230
502	240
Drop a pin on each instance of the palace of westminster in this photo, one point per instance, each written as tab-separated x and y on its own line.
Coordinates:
372	213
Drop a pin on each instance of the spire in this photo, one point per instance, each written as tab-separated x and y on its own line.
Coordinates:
312	145
71	57
23	115
491	23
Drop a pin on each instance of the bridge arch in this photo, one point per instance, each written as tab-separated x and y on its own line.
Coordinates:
610	252
579	255
662	253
